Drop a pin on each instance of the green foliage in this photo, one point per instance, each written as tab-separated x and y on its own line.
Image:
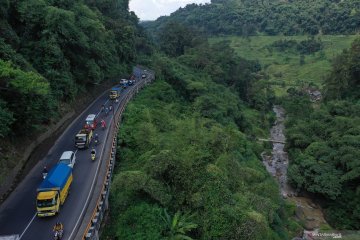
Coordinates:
6	119
22	82
140	221
174	38
323	143
52	50
27	96
178	225
284	68
247	18
343	81
181	149
308	46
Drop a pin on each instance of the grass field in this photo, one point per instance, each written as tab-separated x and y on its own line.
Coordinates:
284	68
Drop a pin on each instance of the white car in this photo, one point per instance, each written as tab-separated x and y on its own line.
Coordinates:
68	158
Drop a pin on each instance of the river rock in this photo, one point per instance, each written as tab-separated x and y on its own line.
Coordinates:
299	213
311	225
313	205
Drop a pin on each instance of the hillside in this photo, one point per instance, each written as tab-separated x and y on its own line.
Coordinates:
187	167
324	141
248	17
189	159
51	53
291	61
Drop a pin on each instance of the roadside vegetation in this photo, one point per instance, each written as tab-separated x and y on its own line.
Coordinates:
188	167
52	52
188	163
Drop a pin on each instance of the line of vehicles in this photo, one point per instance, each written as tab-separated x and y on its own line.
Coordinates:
55	187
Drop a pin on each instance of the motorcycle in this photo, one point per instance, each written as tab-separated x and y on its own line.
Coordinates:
96	141
93	155
58	234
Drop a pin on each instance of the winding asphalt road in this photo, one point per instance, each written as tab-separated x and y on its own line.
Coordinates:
18	212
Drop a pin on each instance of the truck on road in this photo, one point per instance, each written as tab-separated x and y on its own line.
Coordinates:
53	190
90	122
115	92
83	138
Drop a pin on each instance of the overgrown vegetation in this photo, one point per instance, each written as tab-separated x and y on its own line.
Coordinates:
53	51
283	64
323	141
309	46
185	155
249	17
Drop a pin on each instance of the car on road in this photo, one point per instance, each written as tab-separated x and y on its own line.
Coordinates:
143	76
68	158
124	83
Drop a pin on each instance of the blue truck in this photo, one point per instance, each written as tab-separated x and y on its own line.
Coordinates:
53	190
115	92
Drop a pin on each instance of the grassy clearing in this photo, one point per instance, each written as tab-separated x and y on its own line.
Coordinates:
284	68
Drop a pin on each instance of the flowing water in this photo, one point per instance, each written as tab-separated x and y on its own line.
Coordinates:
308	212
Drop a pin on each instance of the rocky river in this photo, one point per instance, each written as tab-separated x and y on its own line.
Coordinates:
307	211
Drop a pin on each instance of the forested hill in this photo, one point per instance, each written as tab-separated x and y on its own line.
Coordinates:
323	142
52	50
249	17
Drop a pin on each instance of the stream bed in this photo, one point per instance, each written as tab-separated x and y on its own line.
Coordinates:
307	211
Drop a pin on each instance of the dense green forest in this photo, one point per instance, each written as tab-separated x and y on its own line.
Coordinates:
52	52
187	167
323	141
188	163
249	17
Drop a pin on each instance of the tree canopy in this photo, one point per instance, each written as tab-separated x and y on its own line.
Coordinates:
323	142
53	50
249	17
185	155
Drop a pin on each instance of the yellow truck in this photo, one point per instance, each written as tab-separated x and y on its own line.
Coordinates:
83	138
53	190
115	92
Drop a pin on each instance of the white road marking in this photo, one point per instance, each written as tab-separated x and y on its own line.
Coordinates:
27	226
88	197
73	122
100	109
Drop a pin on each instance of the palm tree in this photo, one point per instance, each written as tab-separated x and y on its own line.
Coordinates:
178	225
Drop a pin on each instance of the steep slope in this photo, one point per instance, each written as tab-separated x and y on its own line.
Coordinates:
246	17
324	142
51	52
187	168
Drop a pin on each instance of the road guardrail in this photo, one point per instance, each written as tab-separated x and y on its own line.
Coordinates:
93	227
